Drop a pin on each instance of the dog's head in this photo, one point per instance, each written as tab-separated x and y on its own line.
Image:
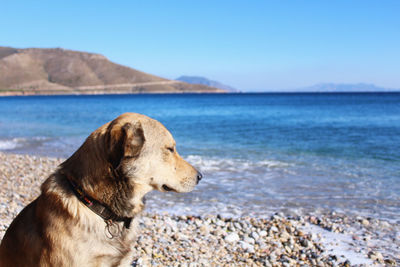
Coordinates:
144	151
125	159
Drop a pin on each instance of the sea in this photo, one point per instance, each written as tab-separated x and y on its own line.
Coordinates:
260	153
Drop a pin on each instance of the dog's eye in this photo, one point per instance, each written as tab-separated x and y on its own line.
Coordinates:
171	149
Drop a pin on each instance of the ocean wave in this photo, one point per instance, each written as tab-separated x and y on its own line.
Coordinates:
10	144
22	144
212	164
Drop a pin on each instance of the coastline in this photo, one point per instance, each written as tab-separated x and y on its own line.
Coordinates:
330	239
78	93
105	93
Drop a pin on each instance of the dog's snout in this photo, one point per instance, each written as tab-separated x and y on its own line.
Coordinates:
199	177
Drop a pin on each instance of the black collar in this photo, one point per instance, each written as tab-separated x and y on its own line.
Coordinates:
104	212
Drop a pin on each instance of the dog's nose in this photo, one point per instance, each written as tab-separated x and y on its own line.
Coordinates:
199	177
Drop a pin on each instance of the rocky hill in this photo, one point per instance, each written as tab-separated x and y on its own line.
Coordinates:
344	87
59	71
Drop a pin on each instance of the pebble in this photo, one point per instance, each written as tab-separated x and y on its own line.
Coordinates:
274	229
375	255
232	238
255	235
263	233
212	240
249	240
365	222
246	246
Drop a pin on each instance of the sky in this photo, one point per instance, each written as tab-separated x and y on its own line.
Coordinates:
251	45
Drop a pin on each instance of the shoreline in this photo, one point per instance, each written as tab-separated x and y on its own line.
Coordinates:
80	93
18	93
329	239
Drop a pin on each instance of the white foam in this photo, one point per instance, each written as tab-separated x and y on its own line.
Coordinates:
338	244
9	144
233	165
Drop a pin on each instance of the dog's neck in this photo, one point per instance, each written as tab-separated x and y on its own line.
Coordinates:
101	210
90	169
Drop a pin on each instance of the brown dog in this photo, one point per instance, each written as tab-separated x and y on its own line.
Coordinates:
85	215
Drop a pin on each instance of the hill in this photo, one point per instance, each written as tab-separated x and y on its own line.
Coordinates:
60	71
341	87
205	81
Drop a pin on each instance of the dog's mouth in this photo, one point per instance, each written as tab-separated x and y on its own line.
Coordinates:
167	188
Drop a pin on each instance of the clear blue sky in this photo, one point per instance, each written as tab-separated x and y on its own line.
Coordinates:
251	45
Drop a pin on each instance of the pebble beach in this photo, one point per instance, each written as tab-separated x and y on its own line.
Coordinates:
323	239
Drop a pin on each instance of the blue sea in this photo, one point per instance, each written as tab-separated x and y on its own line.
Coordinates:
259	153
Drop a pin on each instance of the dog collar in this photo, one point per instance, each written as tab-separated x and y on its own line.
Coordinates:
104	212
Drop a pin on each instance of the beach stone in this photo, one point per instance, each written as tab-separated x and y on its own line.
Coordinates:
220	232
263	233
375	255
254	235
288	249
274	229
237	225
249	240
247	246
365	222
385	224
304	242
232	238
199	223
204	229
284	236
272	257
390	262
220	223
346	263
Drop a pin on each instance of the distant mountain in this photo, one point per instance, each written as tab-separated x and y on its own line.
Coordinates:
60	71
205	81
338	87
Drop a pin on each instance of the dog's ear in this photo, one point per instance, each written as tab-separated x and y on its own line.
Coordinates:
125	141
134	139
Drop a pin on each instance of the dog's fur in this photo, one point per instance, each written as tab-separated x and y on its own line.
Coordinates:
117	165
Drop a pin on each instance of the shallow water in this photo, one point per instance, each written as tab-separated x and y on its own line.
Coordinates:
259	152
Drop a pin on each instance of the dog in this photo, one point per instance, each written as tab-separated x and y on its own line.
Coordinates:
86	214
